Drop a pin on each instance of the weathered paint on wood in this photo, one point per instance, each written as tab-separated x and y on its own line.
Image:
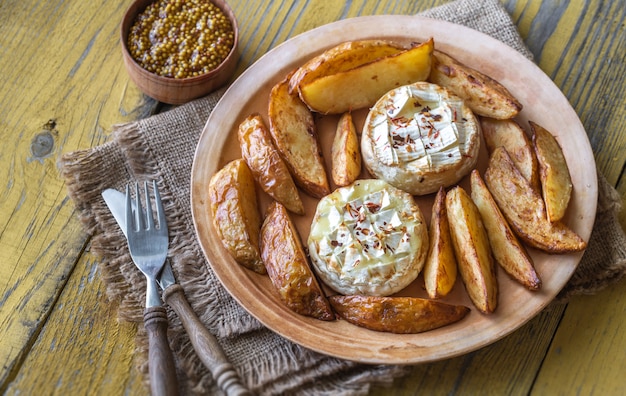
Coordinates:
64	85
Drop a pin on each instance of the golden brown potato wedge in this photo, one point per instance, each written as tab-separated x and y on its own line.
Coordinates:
294	134
556	182
508	252
510	135
266	164
288	267
401	315
440	269
362	86
342	57
345	152
236	216
524	208
472	250
484	95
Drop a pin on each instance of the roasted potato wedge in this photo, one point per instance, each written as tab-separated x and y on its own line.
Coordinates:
342	57
472	250
556	182
362	86
345	152
524	209
266	164
236	216
288	267
508	252
440	269
510	135
293	130
484	95
401	315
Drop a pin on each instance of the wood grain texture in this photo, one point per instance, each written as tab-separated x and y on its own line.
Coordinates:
587	354
63	88
82	346
60	61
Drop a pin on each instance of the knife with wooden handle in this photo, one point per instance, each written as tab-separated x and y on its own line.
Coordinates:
204	343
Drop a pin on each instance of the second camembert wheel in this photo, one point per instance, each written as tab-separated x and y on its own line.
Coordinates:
368	238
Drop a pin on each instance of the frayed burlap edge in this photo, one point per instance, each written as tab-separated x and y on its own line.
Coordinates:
85	181
604	261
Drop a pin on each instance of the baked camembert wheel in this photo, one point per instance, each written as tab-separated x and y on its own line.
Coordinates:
368	238
420	137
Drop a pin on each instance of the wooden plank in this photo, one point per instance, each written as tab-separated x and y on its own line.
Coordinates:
51	104
258	34
82	346
508	366
587	355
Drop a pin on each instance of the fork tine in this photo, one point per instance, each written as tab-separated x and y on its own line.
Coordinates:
159	208
149	218
140	224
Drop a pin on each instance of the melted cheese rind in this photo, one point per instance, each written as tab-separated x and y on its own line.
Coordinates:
368	238
420	136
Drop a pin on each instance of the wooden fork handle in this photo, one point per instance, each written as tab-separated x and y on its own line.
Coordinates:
205	344
160	359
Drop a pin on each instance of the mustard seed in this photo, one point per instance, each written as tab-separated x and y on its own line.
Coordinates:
181	38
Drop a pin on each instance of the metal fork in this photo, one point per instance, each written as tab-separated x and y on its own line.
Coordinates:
148	244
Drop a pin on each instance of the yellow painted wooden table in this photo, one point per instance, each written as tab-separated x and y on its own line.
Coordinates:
63	87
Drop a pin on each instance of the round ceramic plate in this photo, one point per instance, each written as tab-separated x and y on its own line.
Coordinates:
543	103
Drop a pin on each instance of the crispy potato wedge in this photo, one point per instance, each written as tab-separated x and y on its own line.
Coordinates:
524	209
342	57
401	315
440	269
472	250
362	86
556	182
510	135
507	250
484	95
236	216
345	152
293	130
288	267
266	164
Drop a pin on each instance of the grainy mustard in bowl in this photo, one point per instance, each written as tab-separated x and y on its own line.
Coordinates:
179	50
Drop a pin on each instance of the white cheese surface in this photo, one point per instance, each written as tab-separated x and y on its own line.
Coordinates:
418	137
418	129
368	238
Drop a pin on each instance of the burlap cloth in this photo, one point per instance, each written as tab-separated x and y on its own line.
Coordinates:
268	363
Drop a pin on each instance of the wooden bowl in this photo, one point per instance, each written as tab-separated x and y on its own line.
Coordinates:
177	90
